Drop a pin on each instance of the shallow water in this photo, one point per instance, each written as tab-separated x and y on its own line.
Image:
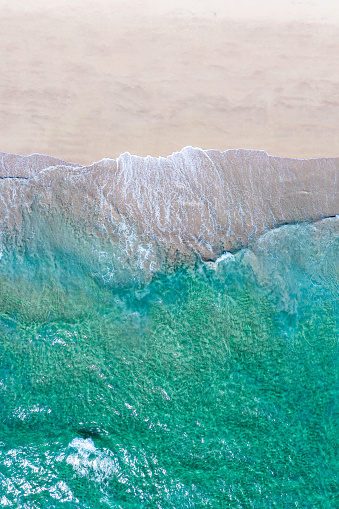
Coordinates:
208	385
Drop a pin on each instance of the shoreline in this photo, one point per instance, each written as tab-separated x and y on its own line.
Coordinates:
194	201
38	155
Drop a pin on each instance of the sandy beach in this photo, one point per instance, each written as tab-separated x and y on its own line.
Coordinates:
169	248
84	80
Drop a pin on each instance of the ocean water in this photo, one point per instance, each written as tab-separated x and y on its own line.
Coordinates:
198	384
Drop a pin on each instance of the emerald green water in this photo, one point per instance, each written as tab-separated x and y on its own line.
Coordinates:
214	385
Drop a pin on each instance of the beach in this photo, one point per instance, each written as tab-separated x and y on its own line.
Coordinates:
169	268
81	81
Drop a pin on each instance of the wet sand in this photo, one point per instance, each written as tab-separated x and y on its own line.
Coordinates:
81	81
192	202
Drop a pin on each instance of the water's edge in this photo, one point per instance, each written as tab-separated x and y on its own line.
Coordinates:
193	202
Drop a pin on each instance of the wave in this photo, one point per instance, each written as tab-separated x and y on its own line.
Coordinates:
193	202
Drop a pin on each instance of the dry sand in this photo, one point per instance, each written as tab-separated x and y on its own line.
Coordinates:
86	80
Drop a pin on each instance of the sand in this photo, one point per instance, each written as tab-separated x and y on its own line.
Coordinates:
85	80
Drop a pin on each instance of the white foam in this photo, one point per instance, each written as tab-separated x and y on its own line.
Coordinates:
225	256
86	444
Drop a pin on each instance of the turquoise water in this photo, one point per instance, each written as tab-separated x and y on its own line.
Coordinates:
210	385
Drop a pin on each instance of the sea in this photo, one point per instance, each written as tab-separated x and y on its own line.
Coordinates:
169	332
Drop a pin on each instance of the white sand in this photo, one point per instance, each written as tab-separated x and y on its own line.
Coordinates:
86	80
